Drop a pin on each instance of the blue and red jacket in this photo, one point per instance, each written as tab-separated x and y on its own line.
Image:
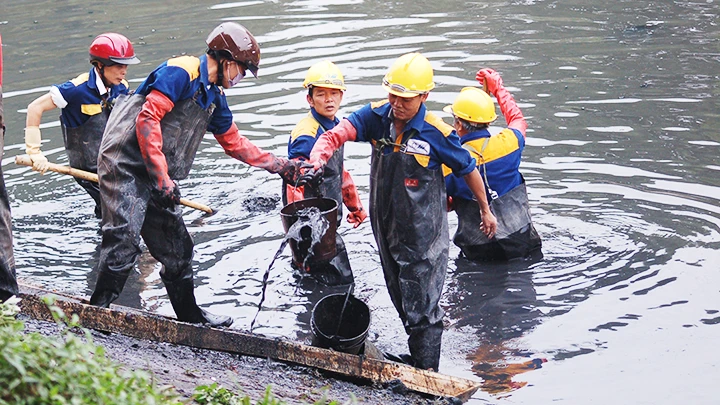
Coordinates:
433	144
187	77
84	96
501	154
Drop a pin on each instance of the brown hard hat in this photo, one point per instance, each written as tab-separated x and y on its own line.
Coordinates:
239	42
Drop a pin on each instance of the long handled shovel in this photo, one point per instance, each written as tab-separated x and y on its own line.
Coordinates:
25	160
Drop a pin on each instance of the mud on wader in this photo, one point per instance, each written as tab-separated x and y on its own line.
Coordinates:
8	282
407	212
336	271
516	236
82	146
129	210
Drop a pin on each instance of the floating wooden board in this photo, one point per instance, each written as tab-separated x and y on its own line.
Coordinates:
144	325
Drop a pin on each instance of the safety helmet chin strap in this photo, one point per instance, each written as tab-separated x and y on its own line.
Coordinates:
101	69
220	71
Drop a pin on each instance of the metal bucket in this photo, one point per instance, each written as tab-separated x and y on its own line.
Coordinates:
345	335
324	250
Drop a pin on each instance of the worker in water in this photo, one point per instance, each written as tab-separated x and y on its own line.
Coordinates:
85	104
498	157
150	142
8	282
325	84
407	196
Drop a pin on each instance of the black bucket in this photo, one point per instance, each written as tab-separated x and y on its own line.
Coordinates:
324	250
350	336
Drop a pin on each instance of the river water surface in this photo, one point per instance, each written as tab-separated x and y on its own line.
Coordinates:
621	165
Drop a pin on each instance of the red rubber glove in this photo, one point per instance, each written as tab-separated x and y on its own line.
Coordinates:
331	141
239	147
351	199
149	136
513	116
294	193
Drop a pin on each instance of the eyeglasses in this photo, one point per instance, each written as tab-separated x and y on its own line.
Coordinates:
400	88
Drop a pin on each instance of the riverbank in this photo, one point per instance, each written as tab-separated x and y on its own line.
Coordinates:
185	368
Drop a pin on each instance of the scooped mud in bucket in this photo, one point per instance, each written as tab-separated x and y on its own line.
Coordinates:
327	260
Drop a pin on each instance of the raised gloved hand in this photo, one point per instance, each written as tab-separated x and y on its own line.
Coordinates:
491	79
32	148
512	113
168	196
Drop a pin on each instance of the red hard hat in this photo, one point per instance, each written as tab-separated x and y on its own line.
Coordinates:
111	48
239	42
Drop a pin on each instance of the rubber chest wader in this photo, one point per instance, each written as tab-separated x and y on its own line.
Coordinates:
8	282
337	271
516	236
409	221
82	145
128	210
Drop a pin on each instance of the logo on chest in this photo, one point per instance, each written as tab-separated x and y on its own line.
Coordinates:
418	147
412	182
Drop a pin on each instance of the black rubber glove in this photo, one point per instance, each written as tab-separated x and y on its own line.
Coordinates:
313	177
167	197
294	172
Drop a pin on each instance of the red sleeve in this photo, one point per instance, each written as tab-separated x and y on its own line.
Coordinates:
513	116
350	196
149	136
242	149
332	140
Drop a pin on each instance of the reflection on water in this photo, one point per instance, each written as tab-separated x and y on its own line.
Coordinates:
621	167
498	301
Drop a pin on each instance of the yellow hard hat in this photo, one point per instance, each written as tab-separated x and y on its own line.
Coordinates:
324	74
410	75
473	105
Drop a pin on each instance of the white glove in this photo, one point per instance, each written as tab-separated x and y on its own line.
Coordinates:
32	148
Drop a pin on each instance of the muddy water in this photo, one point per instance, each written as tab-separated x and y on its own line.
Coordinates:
621	166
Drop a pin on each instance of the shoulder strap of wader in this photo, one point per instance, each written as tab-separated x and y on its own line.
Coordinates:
493	193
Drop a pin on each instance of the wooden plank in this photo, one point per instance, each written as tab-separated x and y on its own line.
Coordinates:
143	325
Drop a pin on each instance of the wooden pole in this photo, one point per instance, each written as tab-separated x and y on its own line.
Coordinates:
144	325
24	160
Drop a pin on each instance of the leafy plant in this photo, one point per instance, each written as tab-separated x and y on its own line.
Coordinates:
36	369
216	395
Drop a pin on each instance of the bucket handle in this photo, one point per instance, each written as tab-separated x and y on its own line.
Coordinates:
350	290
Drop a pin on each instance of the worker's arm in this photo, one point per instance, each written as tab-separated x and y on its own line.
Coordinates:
149	136
510	110
331	141
239	147
33	138
477	186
